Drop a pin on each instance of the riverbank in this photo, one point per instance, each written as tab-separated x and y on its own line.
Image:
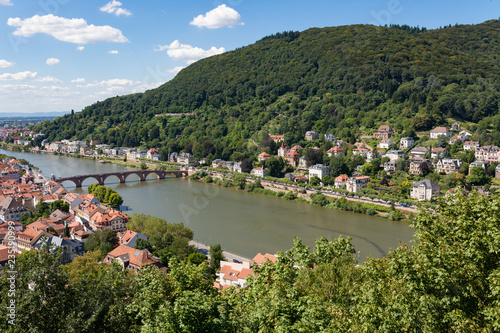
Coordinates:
326	199
242	222
366	205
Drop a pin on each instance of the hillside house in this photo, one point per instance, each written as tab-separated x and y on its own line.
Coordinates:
259	172
263	156
393	155
425	190
335	151
384	132
329	137
319	170
406	143
282	150
292	158
355	184
277	138
390	166
448	165
233	274
341	181
438	131
419	166
438	152
471	145
130	258
186	159
311	135
385	143
487	153
419	151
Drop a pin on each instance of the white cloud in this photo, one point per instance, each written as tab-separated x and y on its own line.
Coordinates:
188	53
78	80
80	48
219	17
47	79
114	7
113	52
27	76
67	30
52	61
175	70
6	64
5	3
21	76
111	83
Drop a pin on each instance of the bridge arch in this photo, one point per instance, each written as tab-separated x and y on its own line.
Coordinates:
122	176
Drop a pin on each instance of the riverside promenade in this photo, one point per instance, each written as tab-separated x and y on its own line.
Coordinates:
205	249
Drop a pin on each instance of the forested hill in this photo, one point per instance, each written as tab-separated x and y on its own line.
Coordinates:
341	80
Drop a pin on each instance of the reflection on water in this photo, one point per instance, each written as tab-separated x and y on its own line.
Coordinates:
243	223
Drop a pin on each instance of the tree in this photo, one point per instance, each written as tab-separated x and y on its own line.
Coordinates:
314	181
319	199
196	258
103	240
312	157
115	199
274	166
442	141
59	204
367	169
144	166
216	255
478	176
239	181
246	165
338	166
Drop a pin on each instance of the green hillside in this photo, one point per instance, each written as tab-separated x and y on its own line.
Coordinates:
341	80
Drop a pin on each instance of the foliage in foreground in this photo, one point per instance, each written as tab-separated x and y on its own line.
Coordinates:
449	281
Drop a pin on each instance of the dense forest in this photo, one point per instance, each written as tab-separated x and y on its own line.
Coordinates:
343	80
446	280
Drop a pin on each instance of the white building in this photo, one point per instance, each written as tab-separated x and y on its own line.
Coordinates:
355	184
385	143
394	154
233	274
424	190
319	170
185	158
406	143
436	132
259	172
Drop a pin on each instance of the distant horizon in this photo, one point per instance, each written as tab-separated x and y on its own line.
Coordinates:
63	55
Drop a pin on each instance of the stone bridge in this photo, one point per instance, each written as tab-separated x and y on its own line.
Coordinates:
122	176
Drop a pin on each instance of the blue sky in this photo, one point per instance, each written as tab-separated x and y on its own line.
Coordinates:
58	55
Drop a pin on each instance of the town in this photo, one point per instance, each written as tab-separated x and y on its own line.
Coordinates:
71	218
400	167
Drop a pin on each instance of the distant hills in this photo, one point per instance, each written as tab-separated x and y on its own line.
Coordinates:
343	80
32	115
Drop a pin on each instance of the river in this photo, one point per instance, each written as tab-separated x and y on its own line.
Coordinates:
243	223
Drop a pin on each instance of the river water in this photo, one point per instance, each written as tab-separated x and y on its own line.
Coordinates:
243	223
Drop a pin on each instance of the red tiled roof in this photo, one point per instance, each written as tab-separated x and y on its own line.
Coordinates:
137	257
259	258
342	178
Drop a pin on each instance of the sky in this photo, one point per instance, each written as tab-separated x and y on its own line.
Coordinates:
63	55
